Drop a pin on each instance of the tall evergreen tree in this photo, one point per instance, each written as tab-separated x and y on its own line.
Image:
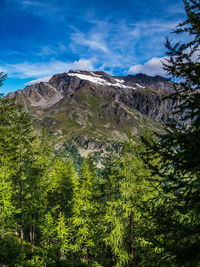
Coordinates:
127	189
7	154
7	209
84	211
23	156
2	78
61	187
178	216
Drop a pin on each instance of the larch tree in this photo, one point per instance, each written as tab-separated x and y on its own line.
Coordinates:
127	189
84	211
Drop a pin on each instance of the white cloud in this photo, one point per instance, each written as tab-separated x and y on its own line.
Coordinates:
47	50
118	45
152	27
45	69
154	66
33	3
2	69
196	54
94	41
83	64
44	79
151	67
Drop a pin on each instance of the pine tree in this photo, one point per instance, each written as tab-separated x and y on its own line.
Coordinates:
2	78
112	221
84	211
36	186
22	131
178	215
56	226
61	187
63	235
127	189
7	153
7	209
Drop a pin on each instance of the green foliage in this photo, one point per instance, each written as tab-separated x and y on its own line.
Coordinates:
84	209
61	186
176	215
141	209
2	78
63	236
70	150
126	190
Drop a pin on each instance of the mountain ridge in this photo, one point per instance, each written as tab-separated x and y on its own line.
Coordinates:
96	105
46	90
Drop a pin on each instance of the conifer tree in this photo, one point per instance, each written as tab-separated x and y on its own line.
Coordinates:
127	188
111	209
56	227
63	236
61	186
23	139
7	153
2	78
7	209
178	217
84	211
36	186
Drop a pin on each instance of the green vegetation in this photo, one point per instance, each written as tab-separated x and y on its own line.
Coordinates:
94	114
52	215
141	209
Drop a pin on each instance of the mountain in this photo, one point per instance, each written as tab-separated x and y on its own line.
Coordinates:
156	83
96	106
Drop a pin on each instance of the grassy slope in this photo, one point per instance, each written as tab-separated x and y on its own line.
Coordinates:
85	115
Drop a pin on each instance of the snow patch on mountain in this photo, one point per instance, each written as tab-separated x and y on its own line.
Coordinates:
140	85
97	79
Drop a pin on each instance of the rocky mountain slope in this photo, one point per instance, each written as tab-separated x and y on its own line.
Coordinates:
97	106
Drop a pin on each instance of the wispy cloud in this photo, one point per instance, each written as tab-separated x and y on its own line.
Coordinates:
44	79
122	44
29	4
2	69
45	69
152	67
33	3
94	41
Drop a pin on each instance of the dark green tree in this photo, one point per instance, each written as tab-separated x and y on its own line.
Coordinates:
2	78
7	154
178	216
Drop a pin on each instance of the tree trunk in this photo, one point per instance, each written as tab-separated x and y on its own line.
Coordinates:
112	260
21	222
132	252
22	237
88	256
112	255
16	230
31	238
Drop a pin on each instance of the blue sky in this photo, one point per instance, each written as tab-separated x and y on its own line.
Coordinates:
40	38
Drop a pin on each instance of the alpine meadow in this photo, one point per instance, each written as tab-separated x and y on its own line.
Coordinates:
100	152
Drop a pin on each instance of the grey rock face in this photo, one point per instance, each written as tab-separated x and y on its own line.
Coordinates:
156	83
